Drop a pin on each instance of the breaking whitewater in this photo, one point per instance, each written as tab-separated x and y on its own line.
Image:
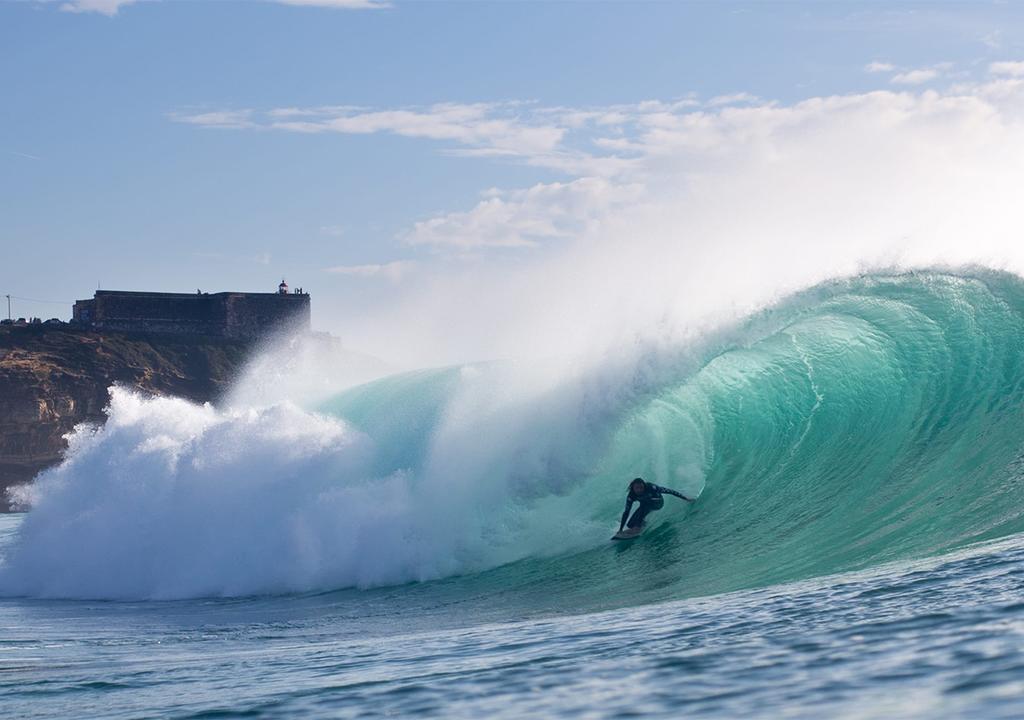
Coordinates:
860	422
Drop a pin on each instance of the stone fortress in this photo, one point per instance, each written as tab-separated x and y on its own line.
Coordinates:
236	315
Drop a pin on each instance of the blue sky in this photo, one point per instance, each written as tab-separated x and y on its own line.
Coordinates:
173	145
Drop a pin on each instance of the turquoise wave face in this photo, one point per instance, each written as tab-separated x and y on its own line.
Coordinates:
859	422
881	419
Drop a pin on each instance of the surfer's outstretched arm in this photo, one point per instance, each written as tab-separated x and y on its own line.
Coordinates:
670	491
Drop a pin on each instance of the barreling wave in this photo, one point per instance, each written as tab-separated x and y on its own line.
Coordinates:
862	421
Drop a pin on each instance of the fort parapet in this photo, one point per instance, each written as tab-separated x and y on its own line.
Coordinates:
246	316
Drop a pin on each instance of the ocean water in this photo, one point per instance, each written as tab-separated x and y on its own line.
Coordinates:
436	543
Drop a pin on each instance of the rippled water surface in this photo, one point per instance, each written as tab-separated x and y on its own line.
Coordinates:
934	638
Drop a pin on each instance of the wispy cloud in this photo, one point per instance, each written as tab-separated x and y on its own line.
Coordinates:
111	7
27	156
393	271
340	4
915	77
1008	68
493	128
575	141
992	40
104	7
228	119
740	98
524	218
877	66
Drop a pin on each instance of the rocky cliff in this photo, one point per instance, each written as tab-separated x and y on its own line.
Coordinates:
54	377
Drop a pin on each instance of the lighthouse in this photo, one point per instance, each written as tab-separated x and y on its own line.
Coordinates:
282	289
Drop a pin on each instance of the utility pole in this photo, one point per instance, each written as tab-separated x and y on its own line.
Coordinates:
8	307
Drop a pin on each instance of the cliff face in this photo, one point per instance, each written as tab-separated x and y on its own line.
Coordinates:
54	377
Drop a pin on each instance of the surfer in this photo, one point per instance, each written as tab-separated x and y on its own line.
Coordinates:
650	498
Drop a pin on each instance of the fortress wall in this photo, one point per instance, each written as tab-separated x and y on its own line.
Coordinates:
186	314
250	316
234	315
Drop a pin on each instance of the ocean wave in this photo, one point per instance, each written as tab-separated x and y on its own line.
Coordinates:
864	420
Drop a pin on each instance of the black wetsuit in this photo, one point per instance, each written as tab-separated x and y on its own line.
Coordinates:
650	499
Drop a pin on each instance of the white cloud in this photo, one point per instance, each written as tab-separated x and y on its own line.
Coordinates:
1011	69
228	119
579	142
332	230
525	218
111	7
877	66
741	98
104	7
394	271
992	40
915	77
613	157
492	128
340	4
27	156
